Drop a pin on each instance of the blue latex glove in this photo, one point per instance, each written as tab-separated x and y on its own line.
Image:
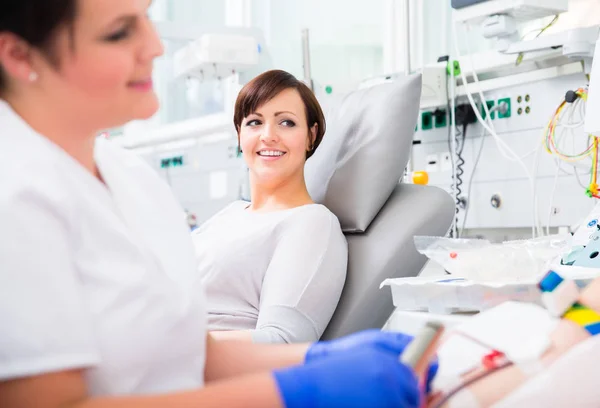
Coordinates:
391	341
365	378
368	339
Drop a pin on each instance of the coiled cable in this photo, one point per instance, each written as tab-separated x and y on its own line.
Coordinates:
455	187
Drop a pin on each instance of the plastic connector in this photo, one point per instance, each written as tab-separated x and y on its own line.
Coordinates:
439	118
426	121
490	106
504	109
465	114
571	96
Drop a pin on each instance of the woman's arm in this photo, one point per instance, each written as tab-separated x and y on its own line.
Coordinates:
566	336
232	335
229	358
498	385
67	390
304	280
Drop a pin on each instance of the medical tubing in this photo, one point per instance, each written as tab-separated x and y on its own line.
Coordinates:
501	144
469	189
552	196
470	382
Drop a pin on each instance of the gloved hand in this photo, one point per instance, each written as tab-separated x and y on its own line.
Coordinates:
373	338
368	339
365	378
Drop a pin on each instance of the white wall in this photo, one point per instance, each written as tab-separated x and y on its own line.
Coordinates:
204	13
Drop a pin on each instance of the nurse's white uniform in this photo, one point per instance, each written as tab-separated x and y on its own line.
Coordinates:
94	276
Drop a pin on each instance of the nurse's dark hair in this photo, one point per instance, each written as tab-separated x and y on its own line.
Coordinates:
268	85
36	22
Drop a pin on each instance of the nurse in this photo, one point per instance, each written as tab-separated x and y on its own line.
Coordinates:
100	303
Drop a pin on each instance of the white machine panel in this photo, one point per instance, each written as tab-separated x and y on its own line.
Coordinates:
521	10
592	122
434	90
205	177
565	208
216	55
531	106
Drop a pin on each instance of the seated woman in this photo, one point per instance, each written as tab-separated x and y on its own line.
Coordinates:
273	268
561	370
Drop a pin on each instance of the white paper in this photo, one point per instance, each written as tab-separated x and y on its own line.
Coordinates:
519	330
217	184
458	355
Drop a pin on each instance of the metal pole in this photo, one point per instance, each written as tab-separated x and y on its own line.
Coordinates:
306	59
406	24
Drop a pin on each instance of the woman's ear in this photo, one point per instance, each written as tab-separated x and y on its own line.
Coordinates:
15	57
313	136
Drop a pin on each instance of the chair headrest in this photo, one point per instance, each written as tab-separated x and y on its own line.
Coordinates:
365	151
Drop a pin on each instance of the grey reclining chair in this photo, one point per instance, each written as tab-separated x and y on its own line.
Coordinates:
386	250
355	173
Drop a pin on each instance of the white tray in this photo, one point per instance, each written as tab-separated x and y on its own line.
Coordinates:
451	293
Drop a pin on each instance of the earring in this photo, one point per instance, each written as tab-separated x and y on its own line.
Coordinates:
33	76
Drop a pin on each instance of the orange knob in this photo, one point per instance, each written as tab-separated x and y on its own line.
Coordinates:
420	177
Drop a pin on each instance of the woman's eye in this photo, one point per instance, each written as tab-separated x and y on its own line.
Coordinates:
288	123
119	35
253	122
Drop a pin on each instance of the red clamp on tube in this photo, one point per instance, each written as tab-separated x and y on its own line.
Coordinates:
493	359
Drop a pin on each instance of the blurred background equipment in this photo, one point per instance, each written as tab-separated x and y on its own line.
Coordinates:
504	97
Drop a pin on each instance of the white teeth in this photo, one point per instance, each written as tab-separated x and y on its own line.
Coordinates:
274	153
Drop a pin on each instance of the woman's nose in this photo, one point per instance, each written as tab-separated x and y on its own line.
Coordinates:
269	133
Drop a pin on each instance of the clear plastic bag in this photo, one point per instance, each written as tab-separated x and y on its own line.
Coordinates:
481	260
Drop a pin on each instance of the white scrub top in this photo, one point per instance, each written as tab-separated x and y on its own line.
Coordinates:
94	276
278	274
